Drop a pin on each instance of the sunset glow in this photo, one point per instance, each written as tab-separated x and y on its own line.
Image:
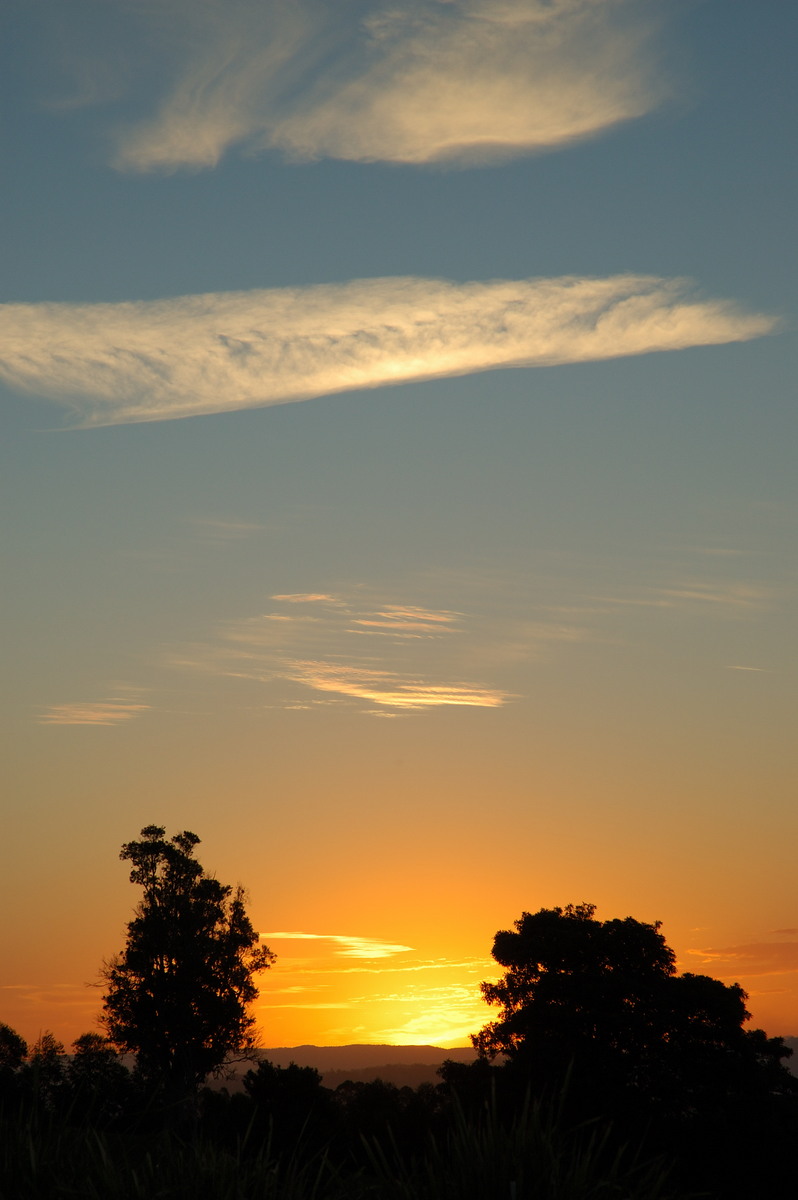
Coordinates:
400	489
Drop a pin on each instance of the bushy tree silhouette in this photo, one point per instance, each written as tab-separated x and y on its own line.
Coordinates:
291	1102
98	1081
178	995
602	1000
13	1048
13	1052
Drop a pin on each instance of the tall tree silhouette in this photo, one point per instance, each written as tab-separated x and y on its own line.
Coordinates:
178	995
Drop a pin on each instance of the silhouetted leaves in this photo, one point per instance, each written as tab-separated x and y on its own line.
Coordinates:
178	994
13	1049
603	998
597	1007
606	1073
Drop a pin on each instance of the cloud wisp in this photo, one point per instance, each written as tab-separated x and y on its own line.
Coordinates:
394	658
464	81
756	958
390	688
348	945
403	997
159	360
218	532
116	711
434	1015
729	597
385	657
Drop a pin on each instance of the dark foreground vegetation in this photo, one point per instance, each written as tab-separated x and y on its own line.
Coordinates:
288	1138
605	1076
86	1127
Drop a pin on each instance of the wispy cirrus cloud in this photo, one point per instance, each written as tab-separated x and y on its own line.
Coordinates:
417	966
465	81
114	711
730	596
307	598
349	946
160	360
755	958
34	1004
406	621
218	532
391	688
386	657
392	657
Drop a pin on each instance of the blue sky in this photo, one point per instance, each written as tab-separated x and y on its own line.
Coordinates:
501	614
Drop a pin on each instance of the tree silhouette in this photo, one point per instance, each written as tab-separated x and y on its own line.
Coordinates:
44	1070
178	994
97	1079
13	1052
602	1000
13	1048
290	1103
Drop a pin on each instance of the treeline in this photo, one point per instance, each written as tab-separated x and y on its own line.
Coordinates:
84	1125
606	1073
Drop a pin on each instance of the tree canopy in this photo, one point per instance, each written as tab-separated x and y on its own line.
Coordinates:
178	994
602	998
13	1048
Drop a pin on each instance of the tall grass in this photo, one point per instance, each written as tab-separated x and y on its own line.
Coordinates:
531	1155
51	1162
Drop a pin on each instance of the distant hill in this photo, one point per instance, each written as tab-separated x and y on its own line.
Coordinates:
405	1066
344	1058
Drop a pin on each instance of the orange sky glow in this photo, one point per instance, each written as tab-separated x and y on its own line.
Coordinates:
399	489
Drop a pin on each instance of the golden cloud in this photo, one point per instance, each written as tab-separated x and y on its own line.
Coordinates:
160	360
469	81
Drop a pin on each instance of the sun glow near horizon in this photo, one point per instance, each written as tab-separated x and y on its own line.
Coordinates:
498	617
364	989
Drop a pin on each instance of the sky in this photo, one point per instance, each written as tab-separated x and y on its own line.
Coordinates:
399	487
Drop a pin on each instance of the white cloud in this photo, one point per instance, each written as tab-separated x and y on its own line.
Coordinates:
158	360
351	946
370	80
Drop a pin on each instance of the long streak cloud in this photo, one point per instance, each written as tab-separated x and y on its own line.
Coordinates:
368	80
183	357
